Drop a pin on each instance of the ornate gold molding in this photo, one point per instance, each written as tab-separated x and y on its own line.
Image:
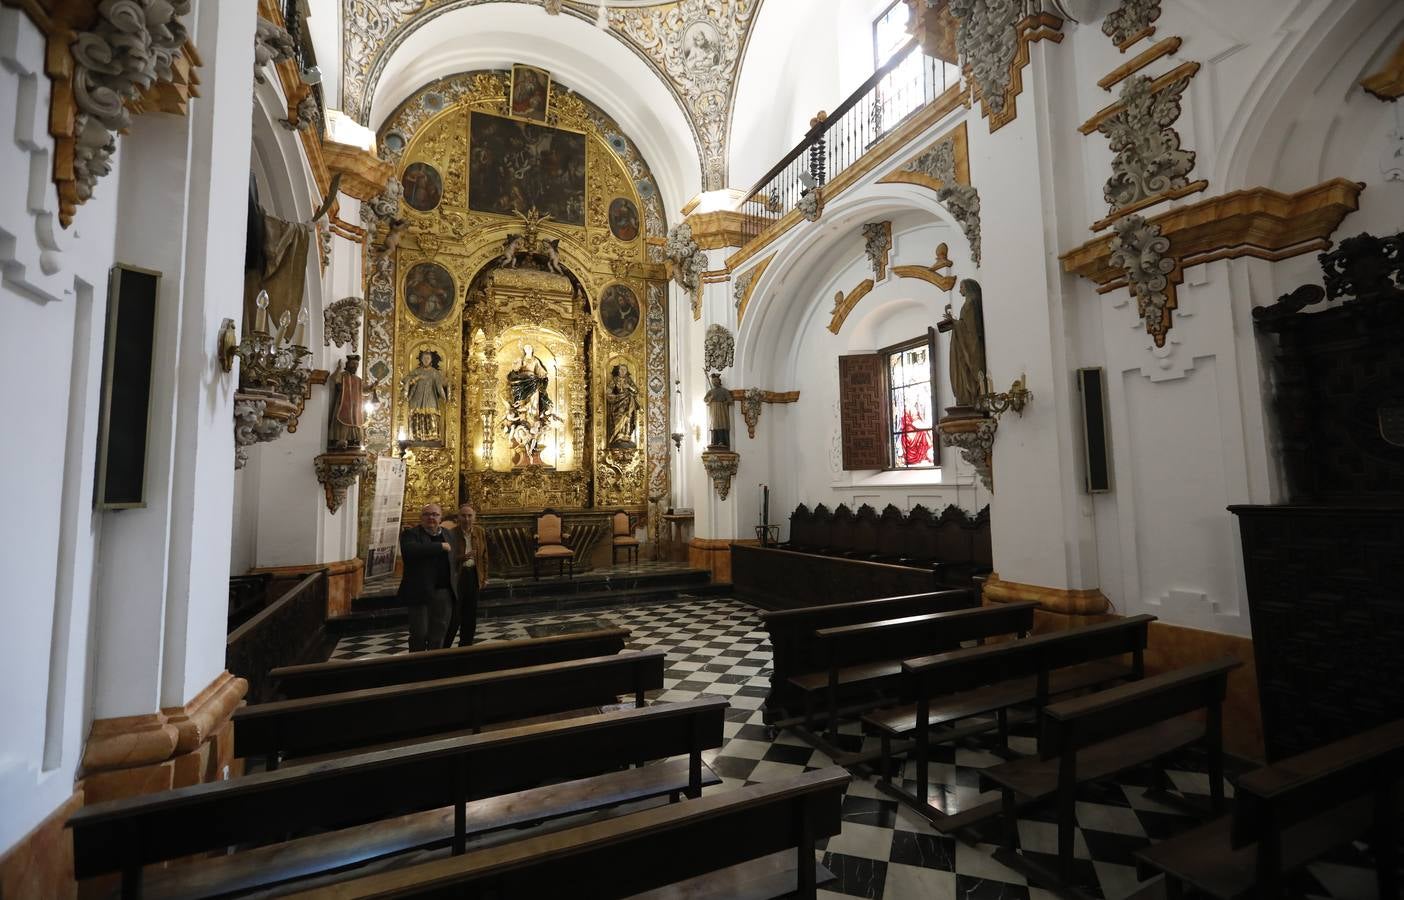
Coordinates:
878	154
1388	83
843	305
1183	70
746	285
1139	62
363	174
1068	601
718	229
61	21
1257	222
931	274
1040	27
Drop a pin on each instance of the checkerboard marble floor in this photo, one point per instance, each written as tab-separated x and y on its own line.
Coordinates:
718	646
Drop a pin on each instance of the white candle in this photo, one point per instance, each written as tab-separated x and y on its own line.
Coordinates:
298	335
261	319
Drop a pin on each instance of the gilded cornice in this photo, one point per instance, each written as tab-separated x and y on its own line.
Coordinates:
363	174
695	47
1388	82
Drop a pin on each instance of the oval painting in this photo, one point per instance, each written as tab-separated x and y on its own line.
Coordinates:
429	292
619	310
423	186
623	219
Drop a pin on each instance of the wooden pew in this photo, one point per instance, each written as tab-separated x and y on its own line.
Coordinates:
335	676
1103	734
644	851
1291	812
415	782
794	651
982	681
868	656
362	719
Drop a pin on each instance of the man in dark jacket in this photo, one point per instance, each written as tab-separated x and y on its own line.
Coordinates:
427	586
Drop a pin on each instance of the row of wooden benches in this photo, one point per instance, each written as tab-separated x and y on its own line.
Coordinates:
900	664
373	761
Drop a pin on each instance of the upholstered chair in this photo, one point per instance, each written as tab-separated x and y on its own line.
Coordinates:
624	538
550	544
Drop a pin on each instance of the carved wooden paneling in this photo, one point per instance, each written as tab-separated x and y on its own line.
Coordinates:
863	411
1324	593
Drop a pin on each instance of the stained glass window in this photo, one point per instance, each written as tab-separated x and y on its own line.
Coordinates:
911	407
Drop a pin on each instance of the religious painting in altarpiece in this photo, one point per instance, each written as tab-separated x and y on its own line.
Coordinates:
553	343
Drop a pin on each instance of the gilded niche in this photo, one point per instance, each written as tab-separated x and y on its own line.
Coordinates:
513	363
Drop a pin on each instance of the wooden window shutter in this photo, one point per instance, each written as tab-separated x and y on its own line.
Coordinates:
863	410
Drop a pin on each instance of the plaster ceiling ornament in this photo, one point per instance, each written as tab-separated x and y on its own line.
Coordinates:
1144	254
341	322
721	466
336	472
272	44
742	286
811	204
718	349
130	47
751	404
1149	160
988	41
1130	21
306	112
877	245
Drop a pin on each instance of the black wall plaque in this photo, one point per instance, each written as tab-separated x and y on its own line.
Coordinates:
126	388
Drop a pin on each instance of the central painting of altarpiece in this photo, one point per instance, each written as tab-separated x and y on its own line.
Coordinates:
518	326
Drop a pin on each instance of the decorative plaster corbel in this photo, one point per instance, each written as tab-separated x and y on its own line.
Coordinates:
974	437
689	262
721	466
1130	22
272	44
1144	253
336	472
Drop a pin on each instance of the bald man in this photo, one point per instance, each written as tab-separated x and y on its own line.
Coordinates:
427	587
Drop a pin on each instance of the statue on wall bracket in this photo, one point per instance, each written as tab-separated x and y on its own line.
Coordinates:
427	393
622	409
966	426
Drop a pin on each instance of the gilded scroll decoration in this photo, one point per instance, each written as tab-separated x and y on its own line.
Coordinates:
1149	160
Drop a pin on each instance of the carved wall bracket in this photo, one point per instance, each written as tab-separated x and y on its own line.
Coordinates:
259	417
689	263
974	437
721	466
364	175
336	472
752	399
1144	254
843	304
1260	223
107	61
811	204
877	246
932	274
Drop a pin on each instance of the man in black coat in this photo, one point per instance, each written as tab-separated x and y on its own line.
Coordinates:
427	586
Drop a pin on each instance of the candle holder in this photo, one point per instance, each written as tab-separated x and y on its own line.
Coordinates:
768	535
274	380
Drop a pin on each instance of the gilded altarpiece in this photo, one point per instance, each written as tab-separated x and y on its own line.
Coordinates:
457	295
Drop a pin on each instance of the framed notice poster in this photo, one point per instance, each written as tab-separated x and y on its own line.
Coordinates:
386	510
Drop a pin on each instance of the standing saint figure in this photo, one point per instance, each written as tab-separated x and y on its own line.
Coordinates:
916	442
528	407
718	400
968	346
344	430
427	393
622	409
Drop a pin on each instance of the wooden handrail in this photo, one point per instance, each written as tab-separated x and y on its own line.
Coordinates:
820	128
276	605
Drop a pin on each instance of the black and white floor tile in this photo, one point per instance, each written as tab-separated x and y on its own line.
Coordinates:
718	646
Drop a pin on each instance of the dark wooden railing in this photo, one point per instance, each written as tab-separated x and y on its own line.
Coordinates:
283	634
903	85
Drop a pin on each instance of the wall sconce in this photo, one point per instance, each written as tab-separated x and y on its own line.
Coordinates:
997	404
677	436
